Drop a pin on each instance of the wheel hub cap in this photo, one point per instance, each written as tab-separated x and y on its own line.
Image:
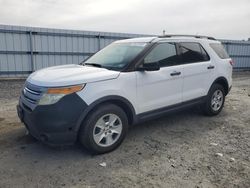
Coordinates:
217	100
107	130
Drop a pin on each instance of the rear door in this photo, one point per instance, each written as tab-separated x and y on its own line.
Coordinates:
197	70
157	89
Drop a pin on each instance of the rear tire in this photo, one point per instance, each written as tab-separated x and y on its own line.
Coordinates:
214	100
104	129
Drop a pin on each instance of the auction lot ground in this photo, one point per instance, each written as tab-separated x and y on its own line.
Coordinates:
178	150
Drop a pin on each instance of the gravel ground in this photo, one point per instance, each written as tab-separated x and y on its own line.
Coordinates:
178	150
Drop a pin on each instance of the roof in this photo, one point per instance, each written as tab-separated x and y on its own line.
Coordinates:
195	38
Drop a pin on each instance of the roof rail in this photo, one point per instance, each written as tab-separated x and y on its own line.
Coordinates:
195	36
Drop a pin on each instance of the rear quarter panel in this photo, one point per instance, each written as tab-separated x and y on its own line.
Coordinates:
222	66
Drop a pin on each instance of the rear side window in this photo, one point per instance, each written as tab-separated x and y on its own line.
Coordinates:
193	52
219	50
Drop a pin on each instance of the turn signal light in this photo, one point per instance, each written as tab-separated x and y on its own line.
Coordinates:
65	90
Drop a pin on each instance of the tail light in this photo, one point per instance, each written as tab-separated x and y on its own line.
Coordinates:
231	62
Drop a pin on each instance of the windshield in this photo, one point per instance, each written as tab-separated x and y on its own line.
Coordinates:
116	56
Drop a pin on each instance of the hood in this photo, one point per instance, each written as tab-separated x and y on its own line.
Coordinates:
70	75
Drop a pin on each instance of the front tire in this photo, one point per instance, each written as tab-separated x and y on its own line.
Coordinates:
104	129
214	100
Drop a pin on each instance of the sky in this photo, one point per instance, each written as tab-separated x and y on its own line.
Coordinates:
223	19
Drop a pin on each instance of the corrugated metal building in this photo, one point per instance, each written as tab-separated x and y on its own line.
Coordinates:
26	49
239	51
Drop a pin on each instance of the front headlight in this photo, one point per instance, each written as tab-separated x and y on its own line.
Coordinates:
53	95
50	98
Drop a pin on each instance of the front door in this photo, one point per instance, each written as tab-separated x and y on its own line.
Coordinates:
161	88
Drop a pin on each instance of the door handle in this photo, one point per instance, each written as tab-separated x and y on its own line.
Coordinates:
175	73
210	67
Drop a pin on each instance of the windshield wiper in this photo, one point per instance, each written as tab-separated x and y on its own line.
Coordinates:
93	64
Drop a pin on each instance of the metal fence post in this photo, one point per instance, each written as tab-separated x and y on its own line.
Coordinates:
226	47
99	41
31	51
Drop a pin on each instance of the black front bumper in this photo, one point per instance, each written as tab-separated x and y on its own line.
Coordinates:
53	124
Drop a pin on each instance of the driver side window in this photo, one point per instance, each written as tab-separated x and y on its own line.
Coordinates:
164	53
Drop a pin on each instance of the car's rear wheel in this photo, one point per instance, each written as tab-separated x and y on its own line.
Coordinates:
104	129
215	100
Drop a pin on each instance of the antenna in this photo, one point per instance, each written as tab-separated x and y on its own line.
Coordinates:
163	32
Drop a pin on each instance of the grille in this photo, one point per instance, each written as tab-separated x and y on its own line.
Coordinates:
31	95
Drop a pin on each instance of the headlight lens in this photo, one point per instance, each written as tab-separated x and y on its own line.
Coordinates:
50	98
53	95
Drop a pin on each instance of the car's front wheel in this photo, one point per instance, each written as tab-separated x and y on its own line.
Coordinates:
104	129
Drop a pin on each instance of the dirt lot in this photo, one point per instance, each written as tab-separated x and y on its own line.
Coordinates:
178	150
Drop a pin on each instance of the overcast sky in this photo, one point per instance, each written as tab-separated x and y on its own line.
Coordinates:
228	19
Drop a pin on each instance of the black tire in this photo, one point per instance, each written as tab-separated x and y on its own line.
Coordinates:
86	134
207	106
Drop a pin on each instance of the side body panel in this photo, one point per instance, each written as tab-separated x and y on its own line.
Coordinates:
196	79
157	89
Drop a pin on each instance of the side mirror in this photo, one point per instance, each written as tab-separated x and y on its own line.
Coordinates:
149	67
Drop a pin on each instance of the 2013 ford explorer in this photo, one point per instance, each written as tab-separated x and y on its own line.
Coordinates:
127	82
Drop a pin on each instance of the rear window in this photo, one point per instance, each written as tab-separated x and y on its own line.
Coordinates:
193	52
219	50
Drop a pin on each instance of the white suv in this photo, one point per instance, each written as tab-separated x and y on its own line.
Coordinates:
127	82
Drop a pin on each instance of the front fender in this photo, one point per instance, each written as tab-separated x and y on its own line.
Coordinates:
112	99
